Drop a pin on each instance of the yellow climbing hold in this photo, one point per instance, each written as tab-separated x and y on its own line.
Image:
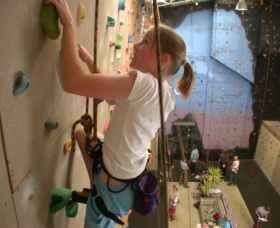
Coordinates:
81	13
68	145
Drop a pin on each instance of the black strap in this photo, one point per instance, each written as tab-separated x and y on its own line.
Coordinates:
115	178
81	197
95	153
102	207
115	191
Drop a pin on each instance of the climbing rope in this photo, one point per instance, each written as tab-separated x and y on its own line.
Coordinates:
95	101
86	120
162	144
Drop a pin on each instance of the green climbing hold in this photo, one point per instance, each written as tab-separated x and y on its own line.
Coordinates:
49	21
119	39
110	21
60	198
71	209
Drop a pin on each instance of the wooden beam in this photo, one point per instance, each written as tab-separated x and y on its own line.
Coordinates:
181	142
184	123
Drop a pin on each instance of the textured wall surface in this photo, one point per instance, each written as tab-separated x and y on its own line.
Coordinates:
268	152
32	157
221	98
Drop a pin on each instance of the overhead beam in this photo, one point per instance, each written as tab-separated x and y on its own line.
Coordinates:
184	124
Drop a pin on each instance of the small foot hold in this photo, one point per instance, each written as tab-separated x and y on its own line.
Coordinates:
111	44
130	38
67	145
81	13
119	39
110	21
51	125
21	83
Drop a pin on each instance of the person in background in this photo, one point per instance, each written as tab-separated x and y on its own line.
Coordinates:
234	168
262	213
202	178
216	218
193	159
170	157
201	166
225	222
174	200
183	178
223	161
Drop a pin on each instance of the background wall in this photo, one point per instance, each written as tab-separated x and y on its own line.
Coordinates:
32	157
224	46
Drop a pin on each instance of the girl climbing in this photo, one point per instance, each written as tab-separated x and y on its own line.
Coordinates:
135	119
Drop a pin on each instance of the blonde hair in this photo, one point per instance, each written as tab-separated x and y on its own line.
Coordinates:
226	217
172	43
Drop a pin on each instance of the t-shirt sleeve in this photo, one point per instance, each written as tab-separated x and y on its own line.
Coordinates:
136	87
143	88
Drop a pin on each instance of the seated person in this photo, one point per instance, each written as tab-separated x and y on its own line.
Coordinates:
225	222
201	166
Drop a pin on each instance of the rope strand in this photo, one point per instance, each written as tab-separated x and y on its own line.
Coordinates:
95	101
162	148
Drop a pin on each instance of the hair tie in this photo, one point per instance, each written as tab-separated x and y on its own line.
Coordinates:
184	62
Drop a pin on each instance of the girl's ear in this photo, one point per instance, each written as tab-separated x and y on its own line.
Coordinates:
165	58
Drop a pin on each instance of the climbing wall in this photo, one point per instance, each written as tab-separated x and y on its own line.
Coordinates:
31	156
221	98
268	152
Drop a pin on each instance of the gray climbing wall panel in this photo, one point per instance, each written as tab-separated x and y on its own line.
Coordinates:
268	152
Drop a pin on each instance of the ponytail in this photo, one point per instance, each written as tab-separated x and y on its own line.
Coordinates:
185	84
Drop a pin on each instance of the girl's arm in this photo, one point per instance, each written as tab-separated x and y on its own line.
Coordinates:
86	57
75	80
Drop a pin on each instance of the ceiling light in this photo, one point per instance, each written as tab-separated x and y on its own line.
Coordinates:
161	2
241	5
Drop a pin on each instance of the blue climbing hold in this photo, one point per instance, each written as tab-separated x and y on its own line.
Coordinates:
121	5
51	125
130	38
21	83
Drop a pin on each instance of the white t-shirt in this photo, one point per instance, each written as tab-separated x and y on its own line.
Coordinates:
262	212
235	166
184	165
194	155
133	124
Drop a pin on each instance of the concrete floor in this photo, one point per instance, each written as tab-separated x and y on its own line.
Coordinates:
187	214
255	191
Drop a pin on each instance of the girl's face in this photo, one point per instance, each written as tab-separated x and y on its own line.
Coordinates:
144	58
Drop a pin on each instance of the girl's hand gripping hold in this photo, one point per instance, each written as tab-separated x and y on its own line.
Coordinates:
63	11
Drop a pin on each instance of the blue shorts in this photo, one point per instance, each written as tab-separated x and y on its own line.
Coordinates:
118	203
